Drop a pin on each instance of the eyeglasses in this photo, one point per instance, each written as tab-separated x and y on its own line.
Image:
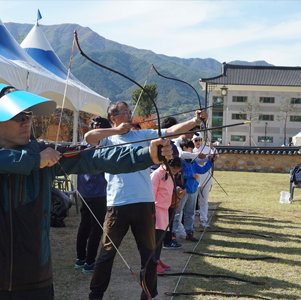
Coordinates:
197	140
126	112
22	116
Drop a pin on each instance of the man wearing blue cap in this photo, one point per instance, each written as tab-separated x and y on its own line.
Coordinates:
27	169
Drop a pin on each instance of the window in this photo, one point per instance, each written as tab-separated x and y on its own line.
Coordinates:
238	138
218	100
266	117
217	114
267	99
295	118
239	99
216	135
295	100
263	139
239	116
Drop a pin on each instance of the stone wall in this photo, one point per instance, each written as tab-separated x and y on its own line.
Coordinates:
256	163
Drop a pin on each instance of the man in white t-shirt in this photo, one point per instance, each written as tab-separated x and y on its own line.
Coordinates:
130	200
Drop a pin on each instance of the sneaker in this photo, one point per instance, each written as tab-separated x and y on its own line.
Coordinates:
79	264
173	245
164	266
197	212
88	269
160	270
191	237
204	224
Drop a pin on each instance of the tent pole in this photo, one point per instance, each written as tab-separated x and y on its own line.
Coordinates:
74	141
27	82
75	127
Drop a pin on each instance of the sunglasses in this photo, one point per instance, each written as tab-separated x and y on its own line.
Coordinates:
197	140
126	112
22	116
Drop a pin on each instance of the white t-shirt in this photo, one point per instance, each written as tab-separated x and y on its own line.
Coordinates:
204	178
133	187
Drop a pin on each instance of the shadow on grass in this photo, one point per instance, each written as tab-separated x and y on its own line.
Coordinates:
275	288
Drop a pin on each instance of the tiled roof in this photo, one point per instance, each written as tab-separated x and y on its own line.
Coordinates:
258	151
257	75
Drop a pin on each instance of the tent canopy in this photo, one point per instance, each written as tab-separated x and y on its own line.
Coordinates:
38	47
19	69
297	139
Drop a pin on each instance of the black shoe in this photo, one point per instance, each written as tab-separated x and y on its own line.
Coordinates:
191	237
79	264
173	245
88	269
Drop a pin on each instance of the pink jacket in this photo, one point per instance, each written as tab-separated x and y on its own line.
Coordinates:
162	193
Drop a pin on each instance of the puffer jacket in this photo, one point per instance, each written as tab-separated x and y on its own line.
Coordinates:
25	199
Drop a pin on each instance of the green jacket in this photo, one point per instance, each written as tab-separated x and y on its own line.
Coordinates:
25	199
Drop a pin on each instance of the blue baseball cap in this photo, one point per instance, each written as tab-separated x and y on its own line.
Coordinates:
13	101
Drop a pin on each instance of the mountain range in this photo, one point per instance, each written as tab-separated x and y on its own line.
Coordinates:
136	63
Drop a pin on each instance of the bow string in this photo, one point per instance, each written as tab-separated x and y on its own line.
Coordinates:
143	281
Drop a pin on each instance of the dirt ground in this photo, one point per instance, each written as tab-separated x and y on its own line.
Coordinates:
72	284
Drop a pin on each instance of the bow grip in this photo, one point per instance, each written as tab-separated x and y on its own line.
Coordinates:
160	156
199	117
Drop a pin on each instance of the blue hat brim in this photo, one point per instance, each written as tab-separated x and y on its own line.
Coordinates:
13	103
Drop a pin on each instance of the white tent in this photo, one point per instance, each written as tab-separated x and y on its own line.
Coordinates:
38	47
20	70
297	139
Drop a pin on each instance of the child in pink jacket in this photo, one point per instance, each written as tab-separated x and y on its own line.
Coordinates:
163	190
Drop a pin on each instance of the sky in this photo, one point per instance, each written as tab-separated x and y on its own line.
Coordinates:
222	30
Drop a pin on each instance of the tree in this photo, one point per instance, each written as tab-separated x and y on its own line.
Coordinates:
41	124
145	123
145	107
251	112
67	121
287	107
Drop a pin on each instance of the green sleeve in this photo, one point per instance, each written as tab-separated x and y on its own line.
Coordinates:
110	160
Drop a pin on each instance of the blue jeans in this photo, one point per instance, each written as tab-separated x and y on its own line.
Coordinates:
188	203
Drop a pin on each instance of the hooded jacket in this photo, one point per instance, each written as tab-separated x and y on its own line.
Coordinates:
25	200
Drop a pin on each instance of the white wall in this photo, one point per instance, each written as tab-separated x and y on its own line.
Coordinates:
274	128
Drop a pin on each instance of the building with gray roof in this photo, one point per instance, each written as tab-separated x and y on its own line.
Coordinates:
240	89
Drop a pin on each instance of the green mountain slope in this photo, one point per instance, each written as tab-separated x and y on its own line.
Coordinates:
173	97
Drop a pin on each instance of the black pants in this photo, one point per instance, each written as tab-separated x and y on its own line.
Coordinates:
89	232
168	235
141	218
159	234
32	294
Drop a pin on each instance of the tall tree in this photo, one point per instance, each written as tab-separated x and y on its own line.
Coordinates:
286	108
145	107
251	112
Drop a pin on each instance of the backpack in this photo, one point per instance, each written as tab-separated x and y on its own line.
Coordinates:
296	175
60	204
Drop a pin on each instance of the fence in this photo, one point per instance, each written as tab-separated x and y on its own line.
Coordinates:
251	159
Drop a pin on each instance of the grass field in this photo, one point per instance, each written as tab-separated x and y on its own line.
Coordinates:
256	225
